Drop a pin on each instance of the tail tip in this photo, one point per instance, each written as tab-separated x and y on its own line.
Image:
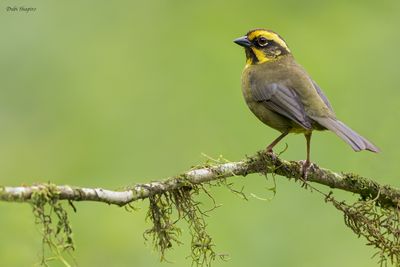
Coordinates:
374	149
369	147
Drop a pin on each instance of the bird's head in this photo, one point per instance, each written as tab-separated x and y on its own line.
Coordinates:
262	45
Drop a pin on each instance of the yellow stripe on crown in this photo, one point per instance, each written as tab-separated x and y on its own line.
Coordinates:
270	35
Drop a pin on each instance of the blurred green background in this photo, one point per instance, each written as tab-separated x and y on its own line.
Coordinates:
109	94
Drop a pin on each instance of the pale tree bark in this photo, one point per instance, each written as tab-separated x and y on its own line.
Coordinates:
262	163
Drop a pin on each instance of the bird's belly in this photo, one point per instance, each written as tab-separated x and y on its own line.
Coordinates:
269	117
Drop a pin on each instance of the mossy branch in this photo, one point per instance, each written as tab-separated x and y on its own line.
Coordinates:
374	216
260	163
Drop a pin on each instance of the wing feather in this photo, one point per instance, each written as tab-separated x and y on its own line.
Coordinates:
282	100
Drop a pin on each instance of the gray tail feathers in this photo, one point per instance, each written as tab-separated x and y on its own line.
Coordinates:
356	141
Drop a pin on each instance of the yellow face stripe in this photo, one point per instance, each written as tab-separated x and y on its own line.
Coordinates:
260	55
269	35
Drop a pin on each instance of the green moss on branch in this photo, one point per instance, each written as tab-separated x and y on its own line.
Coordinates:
377	204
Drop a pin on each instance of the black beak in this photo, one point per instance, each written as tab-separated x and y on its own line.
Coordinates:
242	41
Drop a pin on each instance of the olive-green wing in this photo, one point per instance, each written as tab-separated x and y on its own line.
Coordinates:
281	100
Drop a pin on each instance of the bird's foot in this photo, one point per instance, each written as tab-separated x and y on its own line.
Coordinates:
305	168
271	153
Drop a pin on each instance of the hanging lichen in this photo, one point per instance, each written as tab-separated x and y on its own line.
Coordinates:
164	232
380	226
56	229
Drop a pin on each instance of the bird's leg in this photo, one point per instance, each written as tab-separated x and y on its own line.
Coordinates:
276	141
307	162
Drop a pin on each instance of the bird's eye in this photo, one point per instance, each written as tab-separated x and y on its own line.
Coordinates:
262	41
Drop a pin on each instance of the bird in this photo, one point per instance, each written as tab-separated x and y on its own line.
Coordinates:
283	96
